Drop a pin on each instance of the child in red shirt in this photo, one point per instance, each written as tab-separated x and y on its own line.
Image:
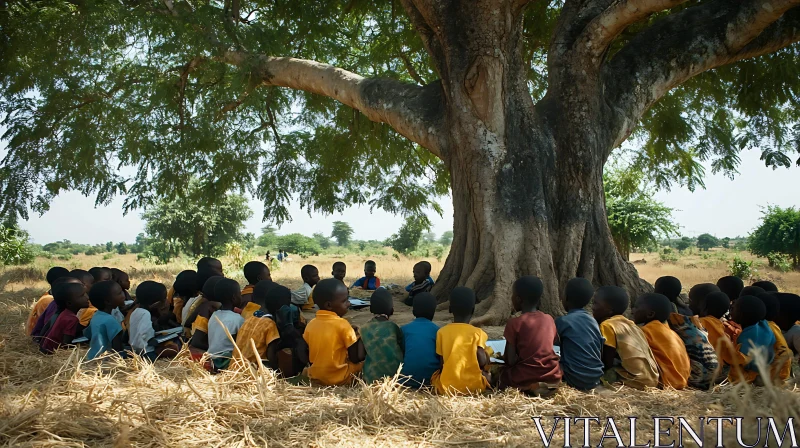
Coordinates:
69	297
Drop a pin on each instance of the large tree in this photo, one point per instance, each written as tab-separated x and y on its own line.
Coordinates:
514	105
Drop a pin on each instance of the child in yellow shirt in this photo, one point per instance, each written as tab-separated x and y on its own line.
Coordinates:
46	299
651	312
259	333
335	351
462	348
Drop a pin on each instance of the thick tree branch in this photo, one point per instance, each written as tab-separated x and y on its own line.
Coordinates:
413	111
687	43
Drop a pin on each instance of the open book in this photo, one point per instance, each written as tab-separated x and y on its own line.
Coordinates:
166	335
499	348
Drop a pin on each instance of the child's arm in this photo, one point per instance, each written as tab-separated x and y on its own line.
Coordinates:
66	339
356	353
510	357
272	354
116	343
609	354
301	350
199	340
483	358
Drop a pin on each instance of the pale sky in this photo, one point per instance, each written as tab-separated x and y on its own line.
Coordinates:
724	208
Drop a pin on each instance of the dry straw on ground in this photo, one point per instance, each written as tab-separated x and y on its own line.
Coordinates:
60	401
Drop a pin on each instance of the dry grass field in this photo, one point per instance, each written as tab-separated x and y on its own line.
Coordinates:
61	401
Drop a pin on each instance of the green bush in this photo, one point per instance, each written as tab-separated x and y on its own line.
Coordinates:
64	257
779	261
742	269
14	249
91	251
108	256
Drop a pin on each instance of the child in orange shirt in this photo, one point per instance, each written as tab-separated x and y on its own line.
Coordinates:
260	327
46	299
462	348
651	312
335	351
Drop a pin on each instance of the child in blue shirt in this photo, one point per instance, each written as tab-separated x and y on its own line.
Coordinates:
104	331
581	342
368	281
420	360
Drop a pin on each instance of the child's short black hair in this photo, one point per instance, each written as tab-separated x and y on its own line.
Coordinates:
668	286
771	303
717	304
529	289
732	286
64	292
578	292
260	291
370	263
149	293
55	273
381	302
701	290
789	305
766	286
307	270
751	291
462	301
186	283
276	297
84	276
209	287
657	303
325	290
117	274
425	265
225	291
252	270
616	297
207	262
100	293
337	264
424	305
751	310
98	273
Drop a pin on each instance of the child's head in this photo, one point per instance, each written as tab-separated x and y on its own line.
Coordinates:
260	292
228	293
669	287
276	298
370	268
732	286
186	284
609	301
771	304
381	302
422	270
310	274
716	304
650	307
70	296
331	295
339	270
697	296
55	273
210	265
748	311
100	274
790	310
766	286
751	291
527	293
578	293
255	271
84	276
209	287
462	303
107	295
151	295
121	277
424	305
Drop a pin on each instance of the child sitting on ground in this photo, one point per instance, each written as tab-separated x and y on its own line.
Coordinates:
651	312
781	367
98	275
48	318
184	289
531	364
670	287
304	296
581	342
207	305
150	299
292	349
462	348
339	270
626	354
46	299
732	287
756	338
254	272
422	282
419	339
258	337
104	331
224	324
712	307
382	338
368	282
335	351
70	298
207	267
121	278
697	297
766	286
787	319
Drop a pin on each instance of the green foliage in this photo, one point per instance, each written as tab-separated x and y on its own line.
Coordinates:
725	242
122	248
108	256
188	224
296	243
268	237
236	254
684	243
408	236
109	246
742	269
14	248
636	220
91	251
323	241
779	233
667	255
447	238
342	232
139	246
429	237
706	241
779	261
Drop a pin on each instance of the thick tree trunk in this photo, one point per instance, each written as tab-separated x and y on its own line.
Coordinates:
526	179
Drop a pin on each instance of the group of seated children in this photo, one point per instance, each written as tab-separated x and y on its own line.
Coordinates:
727	330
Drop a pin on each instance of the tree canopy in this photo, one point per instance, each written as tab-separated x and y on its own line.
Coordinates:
342	232
409	235
778	233
706	241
